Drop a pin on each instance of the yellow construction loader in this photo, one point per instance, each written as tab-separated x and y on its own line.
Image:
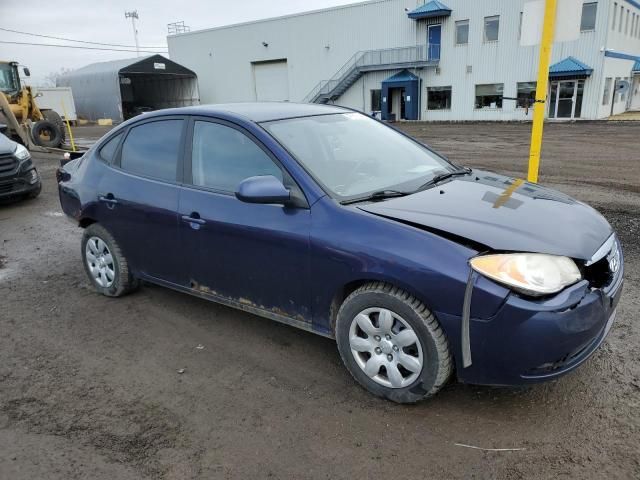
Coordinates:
25	122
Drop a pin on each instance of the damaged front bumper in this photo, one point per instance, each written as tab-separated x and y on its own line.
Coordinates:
531	340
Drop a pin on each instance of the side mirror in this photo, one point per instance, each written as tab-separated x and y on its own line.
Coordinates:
27	72
263	189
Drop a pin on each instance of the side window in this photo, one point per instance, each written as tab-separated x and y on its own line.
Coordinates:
152	149
222	157
108	150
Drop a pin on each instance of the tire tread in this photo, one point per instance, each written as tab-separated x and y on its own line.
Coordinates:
445	363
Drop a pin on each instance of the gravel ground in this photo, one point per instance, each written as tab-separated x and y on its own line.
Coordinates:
89	386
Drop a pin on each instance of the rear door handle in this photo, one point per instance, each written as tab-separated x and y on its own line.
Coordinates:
109	199
193	218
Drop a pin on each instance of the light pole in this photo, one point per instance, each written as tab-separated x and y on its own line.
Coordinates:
134	16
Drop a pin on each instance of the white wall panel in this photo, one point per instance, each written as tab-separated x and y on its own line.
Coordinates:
317	44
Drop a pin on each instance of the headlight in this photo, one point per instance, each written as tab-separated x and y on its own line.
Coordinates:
21	153
531	273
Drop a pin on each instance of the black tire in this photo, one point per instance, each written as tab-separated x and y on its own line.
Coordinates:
124	282
55	117
51	129
437	359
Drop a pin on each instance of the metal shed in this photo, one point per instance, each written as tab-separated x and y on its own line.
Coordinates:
121	89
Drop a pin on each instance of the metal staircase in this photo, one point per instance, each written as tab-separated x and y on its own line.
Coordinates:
417	56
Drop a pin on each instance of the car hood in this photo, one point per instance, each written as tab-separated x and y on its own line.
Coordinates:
502	214
6	145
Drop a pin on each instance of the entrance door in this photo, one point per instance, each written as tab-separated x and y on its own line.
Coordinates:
434	34
566	93
398	97
565	99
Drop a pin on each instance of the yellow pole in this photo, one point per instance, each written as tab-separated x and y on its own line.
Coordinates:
541	89
66	119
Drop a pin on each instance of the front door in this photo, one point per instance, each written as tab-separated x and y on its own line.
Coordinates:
247	254
565	99
434	34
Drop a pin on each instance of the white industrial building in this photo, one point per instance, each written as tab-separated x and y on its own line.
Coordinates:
439	60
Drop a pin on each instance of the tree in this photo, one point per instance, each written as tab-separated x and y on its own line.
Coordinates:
51	79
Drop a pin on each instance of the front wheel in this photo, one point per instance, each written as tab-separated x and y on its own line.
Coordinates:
392	344
105	264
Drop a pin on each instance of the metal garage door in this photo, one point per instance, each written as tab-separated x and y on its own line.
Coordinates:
271	81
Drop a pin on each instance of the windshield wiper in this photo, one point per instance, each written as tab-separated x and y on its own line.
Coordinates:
379	195
444	176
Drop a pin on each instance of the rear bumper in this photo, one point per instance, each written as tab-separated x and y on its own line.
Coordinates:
19	184
530	341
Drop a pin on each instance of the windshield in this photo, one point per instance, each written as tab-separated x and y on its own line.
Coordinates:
8	80
352	155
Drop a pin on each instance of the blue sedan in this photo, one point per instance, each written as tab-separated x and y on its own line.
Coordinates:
328	220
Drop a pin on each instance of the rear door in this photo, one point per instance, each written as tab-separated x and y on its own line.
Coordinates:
250	254
138	196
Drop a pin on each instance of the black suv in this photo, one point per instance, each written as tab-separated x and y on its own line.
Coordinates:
18	175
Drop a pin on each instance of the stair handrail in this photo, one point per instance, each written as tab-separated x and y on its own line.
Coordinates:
416	53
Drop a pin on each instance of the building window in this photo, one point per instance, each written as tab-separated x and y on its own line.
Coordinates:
626	23
376	96
462	32
588	21
520	27
489	96
491	28
607	91
615	15
526	94
623	96
438	98
616	98
620	19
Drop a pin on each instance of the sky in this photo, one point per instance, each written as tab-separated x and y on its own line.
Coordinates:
104	21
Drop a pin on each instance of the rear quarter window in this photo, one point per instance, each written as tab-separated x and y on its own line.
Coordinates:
152	149
108	150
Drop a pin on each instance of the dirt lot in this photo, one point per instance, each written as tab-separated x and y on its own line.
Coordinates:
89	386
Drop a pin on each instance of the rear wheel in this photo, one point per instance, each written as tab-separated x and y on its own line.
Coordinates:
392	344
105	264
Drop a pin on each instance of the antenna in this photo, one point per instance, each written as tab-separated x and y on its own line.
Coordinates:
134	16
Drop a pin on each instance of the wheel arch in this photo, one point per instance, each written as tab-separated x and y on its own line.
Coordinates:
84	222
341	294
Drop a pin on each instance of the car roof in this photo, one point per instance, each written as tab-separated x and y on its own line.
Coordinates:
258	111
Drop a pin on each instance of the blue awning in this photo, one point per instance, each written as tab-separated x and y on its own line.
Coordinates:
430	10
403	76
570	67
